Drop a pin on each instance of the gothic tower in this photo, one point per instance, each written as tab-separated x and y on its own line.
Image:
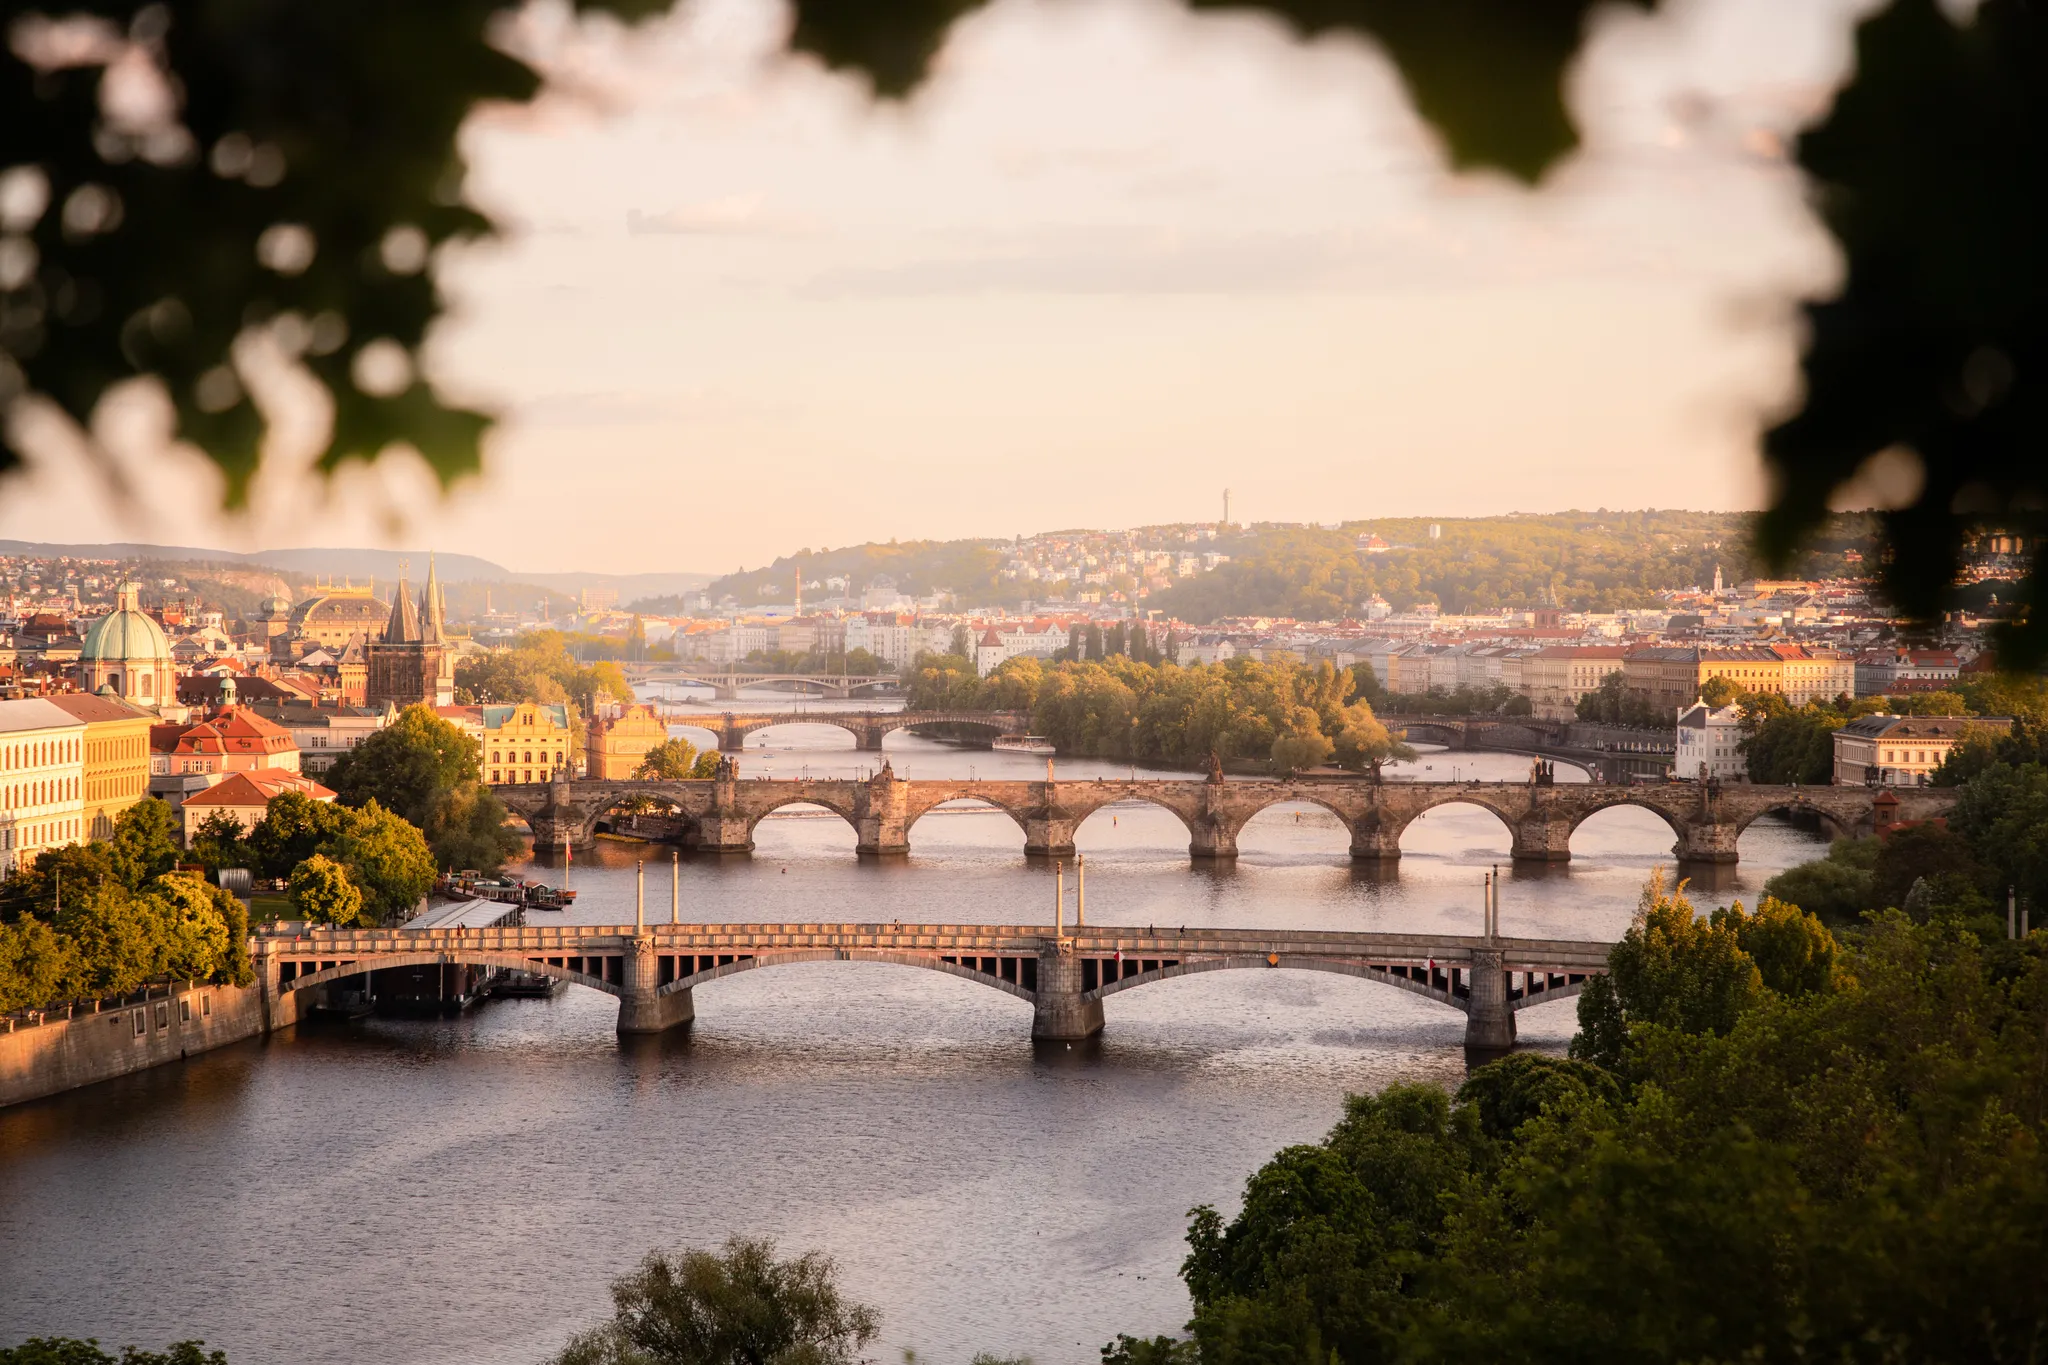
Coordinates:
408	661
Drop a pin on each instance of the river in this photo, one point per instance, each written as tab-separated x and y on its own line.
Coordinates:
461	1190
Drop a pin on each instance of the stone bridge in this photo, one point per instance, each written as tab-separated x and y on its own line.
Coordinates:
1063	976
866	727
720	815
726	684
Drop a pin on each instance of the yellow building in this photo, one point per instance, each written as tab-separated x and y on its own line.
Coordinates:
332	616
116	757
530	742
616	748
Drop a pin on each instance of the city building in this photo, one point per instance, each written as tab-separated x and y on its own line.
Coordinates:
246	796
408	661
1556	677
614	747
1902	751
41	776
332	616
188	757
1708	741
1892	672
323	731
115	764
530	742
127	653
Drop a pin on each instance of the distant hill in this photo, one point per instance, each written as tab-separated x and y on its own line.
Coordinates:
381	564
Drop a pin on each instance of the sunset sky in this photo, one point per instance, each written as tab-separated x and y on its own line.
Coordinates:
1110	261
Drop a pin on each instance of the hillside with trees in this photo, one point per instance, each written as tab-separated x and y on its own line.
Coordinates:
967	568
1580	561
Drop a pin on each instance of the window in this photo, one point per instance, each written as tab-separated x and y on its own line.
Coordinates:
141	1022
163	1015
185	1009
205	1006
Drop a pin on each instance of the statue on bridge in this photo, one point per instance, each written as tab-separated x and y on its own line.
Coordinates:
728	768
1542	773
1215	767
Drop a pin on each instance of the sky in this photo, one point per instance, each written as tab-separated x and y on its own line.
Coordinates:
1110	261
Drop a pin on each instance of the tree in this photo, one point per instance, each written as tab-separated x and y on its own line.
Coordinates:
1781	745
677	760
428	771
322	893
740	1306
1671	969
1837	888
71	1351
1302	744
1363	744
36	965
408	765
145	842
293	827
1719	691
387	858
220	841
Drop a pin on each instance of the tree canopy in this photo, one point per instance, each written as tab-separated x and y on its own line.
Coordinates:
430	773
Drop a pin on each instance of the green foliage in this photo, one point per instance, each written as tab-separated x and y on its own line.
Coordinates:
1672	969
539	668
1932	345
1582	561
387	858
36	964
677	760
292	829
220	841
2003	816
740	1306
919	568
1611	704
1291	715
71	1351
1719	691
321	892
428	771
145	842
1785	746
1836	889
1824	1172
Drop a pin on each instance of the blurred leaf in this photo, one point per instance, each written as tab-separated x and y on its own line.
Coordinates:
1928	172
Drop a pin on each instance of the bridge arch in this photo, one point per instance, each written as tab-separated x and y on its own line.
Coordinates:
1460	797
823	718
760	810
967	800
933	963
1378	975
1593	810
1276	810
1835	825
1103	809
452	956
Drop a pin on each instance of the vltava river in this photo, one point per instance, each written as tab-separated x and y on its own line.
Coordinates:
461	1190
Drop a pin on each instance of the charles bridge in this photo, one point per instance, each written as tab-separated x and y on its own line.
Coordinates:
867	727
719	815
1064	974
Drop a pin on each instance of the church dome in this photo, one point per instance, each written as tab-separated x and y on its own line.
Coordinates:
126	634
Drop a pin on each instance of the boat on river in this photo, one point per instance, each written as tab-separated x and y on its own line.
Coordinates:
510	891
1024	744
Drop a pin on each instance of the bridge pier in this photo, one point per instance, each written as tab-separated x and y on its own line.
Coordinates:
724	832
642	1008
1375	843
1489	1023
1708	843
1058	1010
1049	836
1542	839
1211	839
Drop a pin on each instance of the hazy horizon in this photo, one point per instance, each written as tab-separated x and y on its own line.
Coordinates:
1112	260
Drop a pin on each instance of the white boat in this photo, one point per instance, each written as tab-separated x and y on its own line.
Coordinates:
1024	744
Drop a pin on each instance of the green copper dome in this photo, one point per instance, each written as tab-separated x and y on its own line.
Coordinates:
125	634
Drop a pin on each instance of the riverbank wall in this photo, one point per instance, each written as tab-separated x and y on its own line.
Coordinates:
93	1042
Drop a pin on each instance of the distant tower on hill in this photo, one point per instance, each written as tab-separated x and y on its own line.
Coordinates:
1226	507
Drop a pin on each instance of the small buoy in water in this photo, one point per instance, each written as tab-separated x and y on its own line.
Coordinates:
1070	1047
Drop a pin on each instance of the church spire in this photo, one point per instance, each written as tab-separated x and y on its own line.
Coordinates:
404	626
431	623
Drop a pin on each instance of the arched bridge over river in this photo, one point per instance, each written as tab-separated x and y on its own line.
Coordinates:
1064	977
866	727
720	815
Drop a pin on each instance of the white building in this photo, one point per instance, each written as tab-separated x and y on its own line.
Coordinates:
42	770
1707	744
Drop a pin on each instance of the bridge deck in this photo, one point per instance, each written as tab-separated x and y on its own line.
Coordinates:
1149	941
